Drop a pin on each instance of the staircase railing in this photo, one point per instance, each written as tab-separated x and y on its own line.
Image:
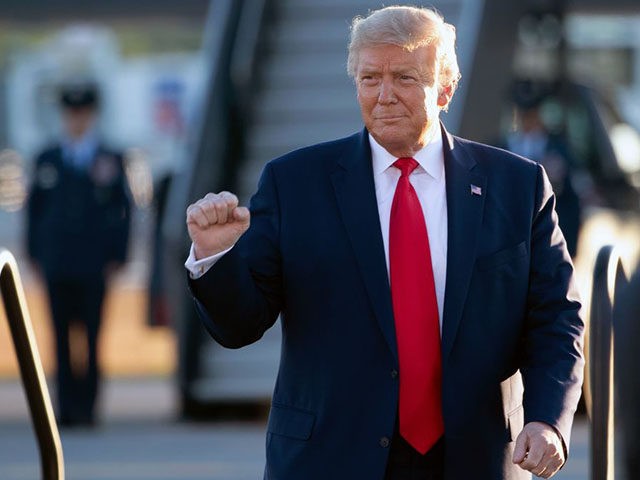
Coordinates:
608	277
31	372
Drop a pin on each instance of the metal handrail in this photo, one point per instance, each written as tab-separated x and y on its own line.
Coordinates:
31	372
244	57
608	277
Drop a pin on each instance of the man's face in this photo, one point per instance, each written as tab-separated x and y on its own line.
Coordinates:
398	96
78	121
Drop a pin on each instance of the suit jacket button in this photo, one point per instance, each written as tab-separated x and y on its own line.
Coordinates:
384	442
394	373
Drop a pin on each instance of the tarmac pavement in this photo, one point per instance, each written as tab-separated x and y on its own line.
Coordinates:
137	438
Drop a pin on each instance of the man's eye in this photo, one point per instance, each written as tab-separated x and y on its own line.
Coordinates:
367	80
407	78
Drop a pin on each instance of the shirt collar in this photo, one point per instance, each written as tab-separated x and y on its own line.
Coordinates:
88	142
430	157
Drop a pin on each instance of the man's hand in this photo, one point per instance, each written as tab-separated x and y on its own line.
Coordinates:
539	450
215	223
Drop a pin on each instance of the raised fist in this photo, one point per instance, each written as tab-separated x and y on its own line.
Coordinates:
215	223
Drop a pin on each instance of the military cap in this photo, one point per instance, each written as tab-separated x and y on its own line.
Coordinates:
79	95
528	94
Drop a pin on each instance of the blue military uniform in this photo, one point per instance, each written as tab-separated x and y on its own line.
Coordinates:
553	152
78	225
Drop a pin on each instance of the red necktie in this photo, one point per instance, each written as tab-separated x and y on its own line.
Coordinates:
416	316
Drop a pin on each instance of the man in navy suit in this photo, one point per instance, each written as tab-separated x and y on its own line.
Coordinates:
430	321
77	232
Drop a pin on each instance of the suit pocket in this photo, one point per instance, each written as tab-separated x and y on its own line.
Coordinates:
515	421
290	422
501	257
512	391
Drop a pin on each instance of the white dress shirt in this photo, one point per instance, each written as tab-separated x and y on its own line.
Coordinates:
197	268
428	179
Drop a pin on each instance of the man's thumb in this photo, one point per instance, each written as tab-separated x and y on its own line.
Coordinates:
520	451
241	214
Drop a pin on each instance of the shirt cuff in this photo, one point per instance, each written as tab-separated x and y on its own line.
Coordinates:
198	268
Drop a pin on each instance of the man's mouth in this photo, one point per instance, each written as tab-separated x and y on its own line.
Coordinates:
389	117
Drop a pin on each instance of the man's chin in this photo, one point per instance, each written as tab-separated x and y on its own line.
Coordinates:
390	134
397	145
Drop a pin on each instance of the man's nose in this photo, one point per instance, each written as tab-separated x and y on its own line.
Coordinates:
387	94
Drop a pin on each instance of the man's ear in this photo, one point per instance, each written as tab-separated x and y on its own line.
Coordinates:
444	96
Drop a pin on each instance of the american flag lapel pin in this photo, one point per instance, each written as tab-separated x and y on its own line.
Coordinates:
476	190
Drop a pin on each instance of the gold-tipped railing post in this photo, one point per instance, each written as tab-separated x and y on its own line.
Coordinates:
608	277
31	372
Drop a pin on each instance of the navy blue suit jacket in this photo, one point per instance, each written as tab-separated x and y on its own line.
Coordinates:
511	335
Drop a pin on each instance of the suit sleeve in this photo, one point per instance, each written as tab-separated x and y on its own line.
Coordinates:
240	297
553	361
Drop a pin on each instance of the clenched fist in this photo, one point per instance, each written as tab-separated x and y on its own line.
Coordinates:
539	450
215	223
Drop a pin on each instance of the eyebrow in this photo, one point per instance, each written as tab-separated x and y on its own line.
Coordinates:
428	77
368	69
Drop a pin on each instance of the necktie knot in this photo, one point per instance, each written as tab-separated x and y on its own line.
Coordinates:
406	165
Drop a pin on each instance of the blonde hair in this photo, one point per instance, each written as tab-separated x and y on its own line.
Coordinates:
409	28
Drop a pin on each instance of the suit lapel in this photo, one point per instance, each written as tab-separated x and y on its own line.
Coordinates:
356	198
464	213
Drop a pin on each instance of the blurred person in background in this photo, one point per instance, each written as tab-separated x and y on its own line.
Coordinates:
77	235
532	139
